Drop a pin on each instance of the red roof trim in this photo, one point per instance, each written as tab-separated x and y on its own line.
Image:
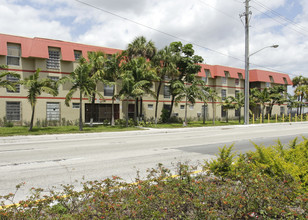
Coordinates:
38	47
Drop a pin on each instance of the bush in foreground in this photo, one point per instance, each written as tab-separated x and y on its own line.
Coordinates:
242	189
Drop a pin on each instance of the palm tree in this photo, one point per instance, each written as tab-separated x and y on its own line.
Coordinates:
204	96
299	82
97	63
134	80
140	47
213	97
262	97
112	75
35	87
6	83
238	102
81	81
276	95
227	105
188	92
164	63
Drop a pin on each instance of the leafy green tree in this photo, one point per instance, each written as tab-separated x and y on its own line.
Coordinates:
187	65
276	96
238	103
6	83
112	75
164	64
227	104
35	87
260	96
82	82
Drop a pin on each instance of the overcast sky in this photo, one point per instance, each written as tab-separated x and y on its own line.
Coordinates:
213	26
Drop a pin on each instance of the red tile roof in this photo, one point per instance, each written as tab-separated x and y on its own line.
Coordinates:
254	76
38	47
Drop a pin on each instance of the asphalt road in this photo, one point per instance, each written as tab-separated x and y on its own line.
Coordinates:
52	160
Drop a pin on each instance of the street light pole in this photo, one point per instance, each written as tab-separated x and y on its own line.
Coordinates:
246	104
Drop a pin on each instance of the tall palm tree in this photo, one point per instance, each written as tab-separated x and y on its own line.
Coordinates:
188	92
112	74
35	87
140	47
238	103
260	96
213	97
6	83
97	63
227	105
134	80
83	83
299	81
164	63
276	96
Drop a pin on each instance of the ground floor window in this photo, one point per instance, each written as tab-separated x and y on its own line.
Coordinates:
13	111
237	112
223	112
204	110
102	112
282	111
53	111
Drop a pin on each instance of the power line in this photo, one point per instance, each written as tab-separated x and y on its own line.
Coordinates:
282	18
171	35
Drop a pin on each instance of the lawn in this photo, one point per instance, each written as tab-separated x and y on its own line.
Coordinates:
22	130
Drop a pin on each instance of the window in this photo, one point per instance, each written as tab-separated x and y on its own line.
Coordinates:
150	106
223	94
166	92
54	59
13	111
223	112
223	80
77	54
207	75
204	79
237	82
108	90
267	84
54	78
182	106
191	107
240	75
76	105
53	111
13	54
271	79
14	80
285	80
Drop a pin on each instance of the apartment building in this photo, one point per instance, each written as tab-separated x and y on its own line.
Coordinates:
58	58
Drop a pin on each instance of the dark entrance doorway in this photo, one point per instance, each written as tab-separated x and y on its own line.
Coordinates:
101	112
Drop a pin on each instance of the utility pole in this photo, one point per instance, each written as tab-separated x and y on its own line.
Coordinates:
247	18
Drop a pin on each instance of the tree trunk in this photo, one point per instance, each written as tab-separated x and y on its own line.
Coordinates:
127	112
112	110
271	109
227	118
92	108
298	106
136	110
262	113
140	112
214	110
32	117
204	113
171	106
239	116
157	100
80	111
185	119
301	105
